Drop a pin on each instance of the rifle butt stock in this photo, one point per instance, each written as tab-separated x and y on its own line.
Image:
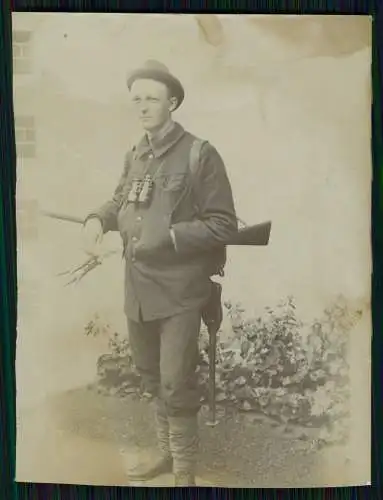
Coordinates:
256	235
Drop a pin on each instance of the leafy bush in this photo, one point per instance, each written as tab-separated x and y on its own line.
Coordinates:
273	364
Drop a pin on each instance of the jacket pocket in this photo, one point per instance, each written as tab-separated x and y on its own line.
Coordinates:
173	189
172	182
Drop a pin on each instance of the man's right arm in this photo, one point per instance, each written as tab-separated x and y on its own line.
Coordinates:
108	212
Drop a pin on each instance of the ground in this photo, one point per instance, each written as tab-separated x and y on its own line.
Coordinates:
82	437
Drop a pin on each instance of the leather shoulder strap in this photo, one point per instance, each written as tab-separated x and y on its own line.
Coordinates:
193	165
195	154
194	162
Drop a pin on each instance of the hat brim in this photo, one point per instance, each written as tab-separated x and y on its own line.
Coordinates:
169	80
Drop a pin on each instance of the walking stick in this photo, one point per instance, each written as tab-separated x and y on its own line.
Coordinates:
212	358
212	316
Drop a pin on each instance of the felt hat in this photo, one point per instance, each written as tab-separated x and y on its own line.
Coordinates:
154	70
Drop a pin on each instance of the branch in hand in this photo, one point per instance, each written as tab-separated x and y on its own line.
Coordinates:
89	265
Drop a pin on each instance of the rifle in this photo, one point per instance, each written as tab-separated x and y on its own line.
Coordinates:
255	235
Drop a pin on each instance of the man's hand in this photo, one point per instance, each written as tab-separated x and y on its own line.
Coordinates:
92	236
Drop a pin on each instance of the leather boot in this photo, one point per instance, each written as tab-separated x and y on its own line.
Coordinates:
183	436
162	462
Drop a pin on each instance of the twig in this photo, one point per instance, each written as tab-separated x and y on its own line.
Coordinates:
72	271
86	268
89	265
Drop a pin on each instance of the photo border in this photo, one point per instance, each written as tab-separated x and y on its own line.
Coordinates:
9	489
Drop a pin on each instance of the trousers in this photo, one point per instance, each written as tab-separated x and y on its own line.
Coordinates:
166	354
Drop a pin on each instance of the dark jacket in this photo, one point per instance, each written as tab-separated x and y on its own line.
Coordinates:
161	279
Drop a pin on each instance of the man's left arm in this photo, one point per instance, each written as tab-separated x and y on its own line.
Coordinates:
217	220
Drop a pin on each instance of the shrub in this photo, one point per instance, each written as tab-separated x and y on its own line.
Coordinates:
274	364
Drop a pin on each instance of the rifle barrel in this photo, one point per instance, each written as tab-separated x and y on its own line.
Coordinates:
63	217
255	235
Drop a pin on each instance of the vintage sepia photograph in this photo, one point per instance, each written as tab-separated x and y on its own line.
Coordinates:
193	249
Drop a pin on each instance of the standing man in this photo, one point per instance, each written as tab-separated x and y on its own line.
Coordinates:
172	223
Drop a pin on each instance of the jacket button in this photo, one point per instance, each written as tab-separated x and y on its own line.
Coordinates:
134	239
139	219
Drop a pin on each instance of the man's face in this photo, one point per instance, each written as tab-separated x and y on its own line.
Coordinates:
152	103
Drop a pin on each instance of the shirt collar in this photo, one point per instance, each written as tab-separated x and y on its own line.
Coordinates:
161	142
162	133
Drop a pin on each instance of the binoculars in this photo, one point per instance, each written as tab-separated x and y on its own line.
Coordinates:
141	191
